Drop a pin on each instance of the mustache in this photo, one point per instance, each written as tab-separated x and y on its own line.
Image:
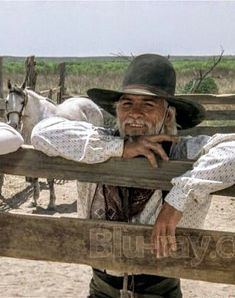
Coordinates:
137	122
151	129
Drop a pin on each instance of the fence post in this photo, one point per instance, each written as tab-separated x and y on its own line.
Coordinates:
1	117
50	93
2	104
31	74
1	78
61	83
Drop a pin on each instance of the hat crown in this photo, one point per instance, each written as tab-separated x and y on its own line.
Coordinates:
152	70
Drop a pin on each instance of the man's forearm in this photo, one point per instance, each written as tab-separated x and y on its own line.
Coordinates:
213	171
75	140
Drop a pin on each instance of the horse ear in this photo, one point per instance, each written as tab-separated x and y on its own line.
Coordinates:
23	85
9	84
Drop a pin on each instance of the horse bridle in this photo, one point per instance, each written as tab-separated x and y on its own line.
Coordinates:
25	97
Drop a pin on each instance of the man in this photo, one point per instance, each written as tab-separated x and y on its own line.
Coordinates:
148	115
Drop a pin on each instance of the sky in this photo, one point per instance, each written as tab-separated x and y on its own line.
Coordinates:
103	28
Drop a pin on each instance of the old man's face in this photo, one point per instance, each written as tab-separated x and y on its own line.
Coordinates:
140	114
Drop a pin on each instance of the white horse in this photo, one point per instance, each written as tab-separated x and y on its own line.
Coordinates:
25	108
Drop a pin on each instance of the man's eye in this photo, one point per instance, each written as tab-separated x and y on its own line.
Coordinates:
149	104
126	104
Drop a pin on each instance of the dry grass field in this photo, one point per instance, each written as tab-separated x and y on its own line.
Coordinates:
84	73
79	84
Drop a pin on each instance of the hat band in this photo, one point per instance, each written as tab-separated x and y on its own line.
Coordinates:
145	90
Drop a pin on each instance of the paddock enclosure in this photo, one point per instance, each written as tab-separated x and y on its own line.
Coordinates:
205	255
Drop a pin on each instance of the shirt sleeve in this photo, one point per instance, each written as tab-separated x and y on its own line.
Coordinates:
10	139
76	140
213	171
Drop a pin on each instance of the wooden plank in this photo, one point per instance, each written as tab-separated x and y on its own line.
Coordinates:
210	98
134	172
202	255
220	115
206	130
2	104
1	76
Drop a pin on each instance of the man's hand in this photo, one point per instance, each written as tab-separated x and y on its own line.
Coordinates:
163	235
147	146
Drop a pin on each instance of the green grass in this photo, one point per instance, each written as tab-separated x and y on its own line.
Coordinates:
102	65
76	66
183	66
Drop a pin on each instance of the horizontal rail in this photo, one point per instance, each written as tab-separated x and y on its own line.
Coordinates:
207	130
134	172
207	99
201	255
220	115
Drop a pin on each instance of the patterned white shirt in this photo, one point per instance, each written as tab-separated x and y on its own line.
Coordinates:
10	139
81	141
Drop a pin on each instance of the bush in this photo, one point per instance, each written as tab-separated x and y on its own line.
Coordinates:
208	85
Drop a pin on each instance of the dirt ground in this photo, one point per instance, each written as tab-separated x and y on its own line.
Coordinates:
23	278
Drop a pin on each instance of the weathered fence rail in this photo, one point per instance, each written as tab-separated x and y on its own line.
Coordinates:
220	111
210	99
134	172
202	255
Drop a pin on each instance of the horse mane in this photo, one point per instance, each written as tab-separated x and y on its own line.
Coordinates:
38	96
50	100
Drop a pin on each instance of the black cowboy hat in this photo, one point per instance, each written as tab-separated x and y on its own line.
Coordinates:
154	75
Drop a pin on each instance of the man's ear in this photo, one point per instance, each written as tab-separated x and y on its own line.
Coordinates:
170	118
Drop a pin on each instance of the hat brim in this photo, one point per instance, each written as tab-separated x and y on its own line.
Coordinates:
188	112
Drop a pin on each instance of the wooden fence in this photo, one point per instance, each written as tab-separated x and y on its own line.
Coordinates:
31	80
202	255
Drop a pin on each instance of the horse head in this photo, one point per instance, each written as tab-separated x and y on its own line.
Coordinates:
15	103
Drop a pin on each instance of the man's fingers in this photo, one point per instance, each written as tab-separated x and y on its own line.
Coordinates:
151	157
172	243
163	241
159	242
171	239
157	148
146	145
157	246
163	247
163	235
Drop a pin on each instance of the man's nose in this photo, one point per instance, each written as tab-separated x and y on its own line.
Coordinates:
136	112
